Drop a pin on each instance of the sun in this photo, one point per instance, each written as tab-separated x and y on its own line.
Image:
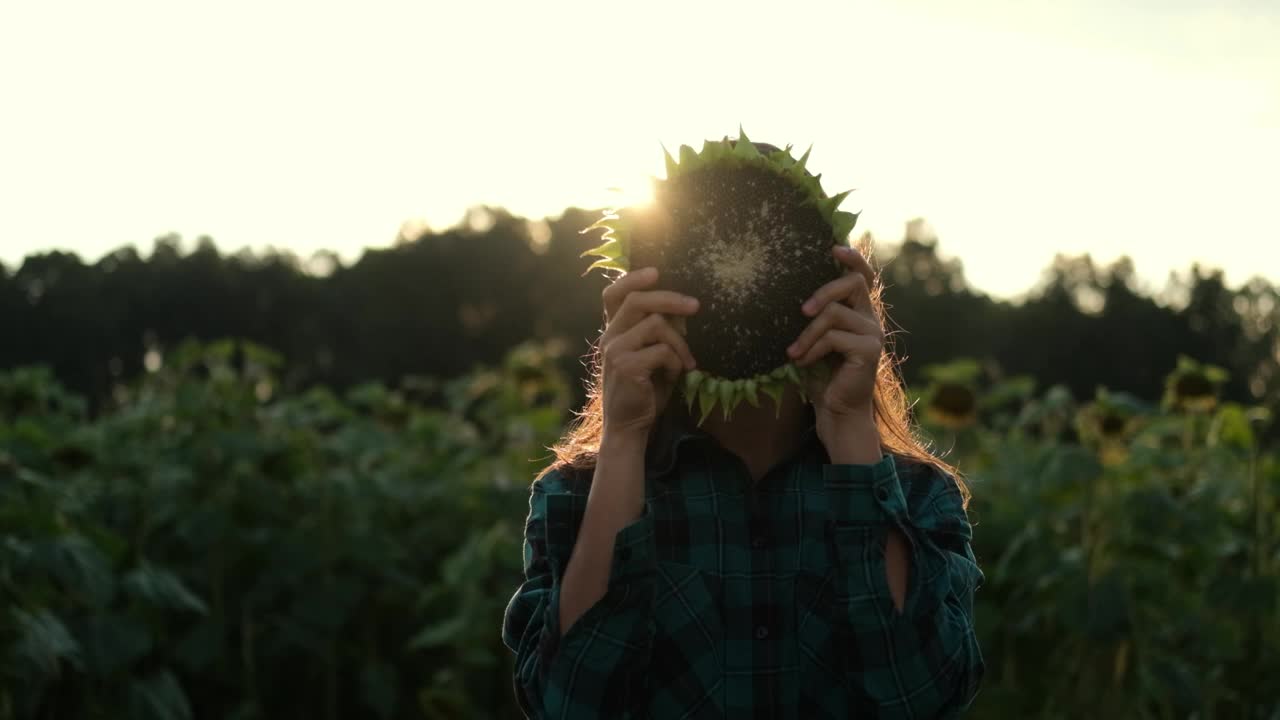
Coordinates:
633	195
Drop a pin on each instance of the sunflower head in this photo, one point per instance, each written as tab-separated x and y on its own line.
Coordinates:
951	399
1193	387
1112	426
953	405
1109	423
748	230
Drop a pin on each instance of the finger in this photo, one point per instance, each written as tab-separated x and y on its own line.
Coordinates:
617	291
834	291
854	260
641	364
640	303
851	345
860	298
658	329
654	329
837	316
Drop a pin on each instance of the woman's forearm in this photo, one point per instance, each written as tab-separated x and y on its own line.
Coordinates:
615	501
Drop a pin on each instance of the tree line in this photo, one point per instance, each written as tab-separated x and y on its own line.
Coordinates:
444	302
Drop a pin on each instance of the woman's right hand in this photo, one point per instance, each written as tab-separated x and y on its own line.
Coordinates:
642	353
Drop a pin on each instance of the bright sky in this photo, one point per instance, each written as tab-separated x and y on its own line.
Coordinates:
1019	129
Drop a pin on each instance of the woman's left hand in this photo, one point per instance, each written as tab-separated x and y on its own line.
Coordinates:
844	325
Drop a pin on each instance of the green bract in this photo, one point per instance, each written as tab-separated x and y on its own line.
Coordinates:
748	230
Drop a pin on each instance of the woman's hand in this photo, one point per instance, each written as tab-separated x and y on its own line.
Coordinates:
642	353
844	325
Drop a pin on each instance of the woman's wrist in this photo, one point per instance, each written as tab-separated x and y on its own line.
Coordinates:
851	439
623	442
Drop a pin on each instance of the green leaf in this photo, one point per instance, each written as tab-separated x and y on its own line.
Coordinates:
842	224
78	565
789	373
622	233
726	392
739	394
162	589
611	249
158	697
827	206
963	371
707	397
670	163
606	223
44	641
608	264
799	166
1230	428
688	158
750	388
773	389
692	380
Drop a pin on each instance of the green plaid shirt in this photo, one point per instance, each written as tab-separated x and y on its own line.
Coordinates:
733	600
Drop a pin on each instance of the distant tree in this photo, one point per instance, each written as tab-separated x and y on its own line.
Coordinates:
442	302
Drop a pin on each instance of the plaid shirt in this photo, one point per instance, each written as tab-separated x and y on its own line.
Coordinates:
733	600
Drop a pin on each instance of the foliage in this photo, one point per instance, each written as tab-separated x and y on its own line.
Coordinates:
1131	558
212	546
210	550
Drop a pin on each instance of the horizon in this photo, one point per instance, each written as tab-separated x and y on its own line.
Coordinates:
1154	129
317	264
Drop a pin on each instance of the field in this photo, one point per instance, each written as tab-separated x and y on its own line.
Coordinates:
211	548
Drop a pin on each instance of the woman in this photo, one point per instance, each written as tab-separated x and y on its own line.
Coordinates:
805	561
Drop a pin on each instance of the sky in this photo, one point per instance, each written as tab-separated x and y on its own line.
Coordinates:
1018	129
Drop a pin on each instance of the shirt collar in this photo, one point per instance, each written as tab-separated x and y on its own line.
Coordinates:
676	429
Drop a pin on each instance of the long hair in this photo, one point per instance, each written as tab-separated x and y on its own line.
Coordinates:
898	433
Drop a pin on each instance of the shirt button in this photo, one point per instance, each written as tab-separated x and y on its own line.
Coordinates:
882	493
762	632
757	543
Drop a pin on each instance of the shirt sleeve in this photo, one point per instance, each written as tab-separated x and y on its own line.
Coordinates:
597	668
925	661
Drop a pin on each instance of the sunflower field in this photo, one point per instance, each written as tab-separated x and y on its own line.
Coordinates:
213	547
